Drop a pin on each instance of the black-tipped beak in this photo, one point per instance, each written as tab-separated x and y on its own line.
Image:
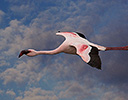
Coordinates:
24	52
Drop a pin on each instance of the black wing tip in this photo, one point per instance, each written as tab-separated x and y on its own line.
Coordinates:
94	65
81	35
99	68
95	60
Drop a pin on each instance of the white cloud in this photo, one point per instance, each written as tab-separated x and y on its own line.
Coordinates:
38	94
88	89
11	93
18	36
22	9
74	90
113	95
4	63
13	39
40	34
10	37
23	72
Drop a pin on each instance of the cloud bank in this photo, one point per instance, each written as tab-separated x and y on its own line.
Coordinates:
34	24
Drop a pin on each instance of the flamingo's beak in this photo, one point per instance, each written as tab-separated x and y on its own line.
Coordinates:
23	52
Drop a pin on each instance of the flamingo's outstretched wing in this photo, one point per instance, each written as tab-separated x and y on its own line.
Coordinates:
89	54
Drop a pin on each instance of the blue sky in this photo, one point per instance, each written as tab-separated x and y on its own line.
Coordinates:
33	24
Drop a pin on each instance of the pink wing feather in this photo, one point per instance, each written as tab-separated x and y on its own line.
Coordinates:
83	50
89	54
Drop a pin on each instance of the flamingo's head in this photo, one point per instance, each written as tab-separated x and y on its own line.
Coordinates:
29	52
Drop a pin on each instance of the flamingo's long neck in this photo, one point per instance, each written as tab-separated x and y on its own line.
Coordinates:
116	48
50	52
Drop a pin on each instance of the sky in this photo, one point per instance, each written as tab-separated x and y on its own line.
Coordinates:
32	24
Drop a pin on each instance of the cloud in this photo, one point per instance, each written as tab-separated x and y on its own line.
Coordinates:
3	63
40	31
76	91
23	9
114	34
87	90
22	72
11	93
38	94
9	37
114	96
1	91
95	20
13	39
18	36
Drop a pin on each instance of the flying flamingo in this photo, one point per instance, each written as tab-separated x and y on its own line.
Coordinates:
76	43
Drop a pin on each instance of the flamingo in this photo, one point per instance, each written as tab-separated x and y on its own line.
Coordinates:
76	43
